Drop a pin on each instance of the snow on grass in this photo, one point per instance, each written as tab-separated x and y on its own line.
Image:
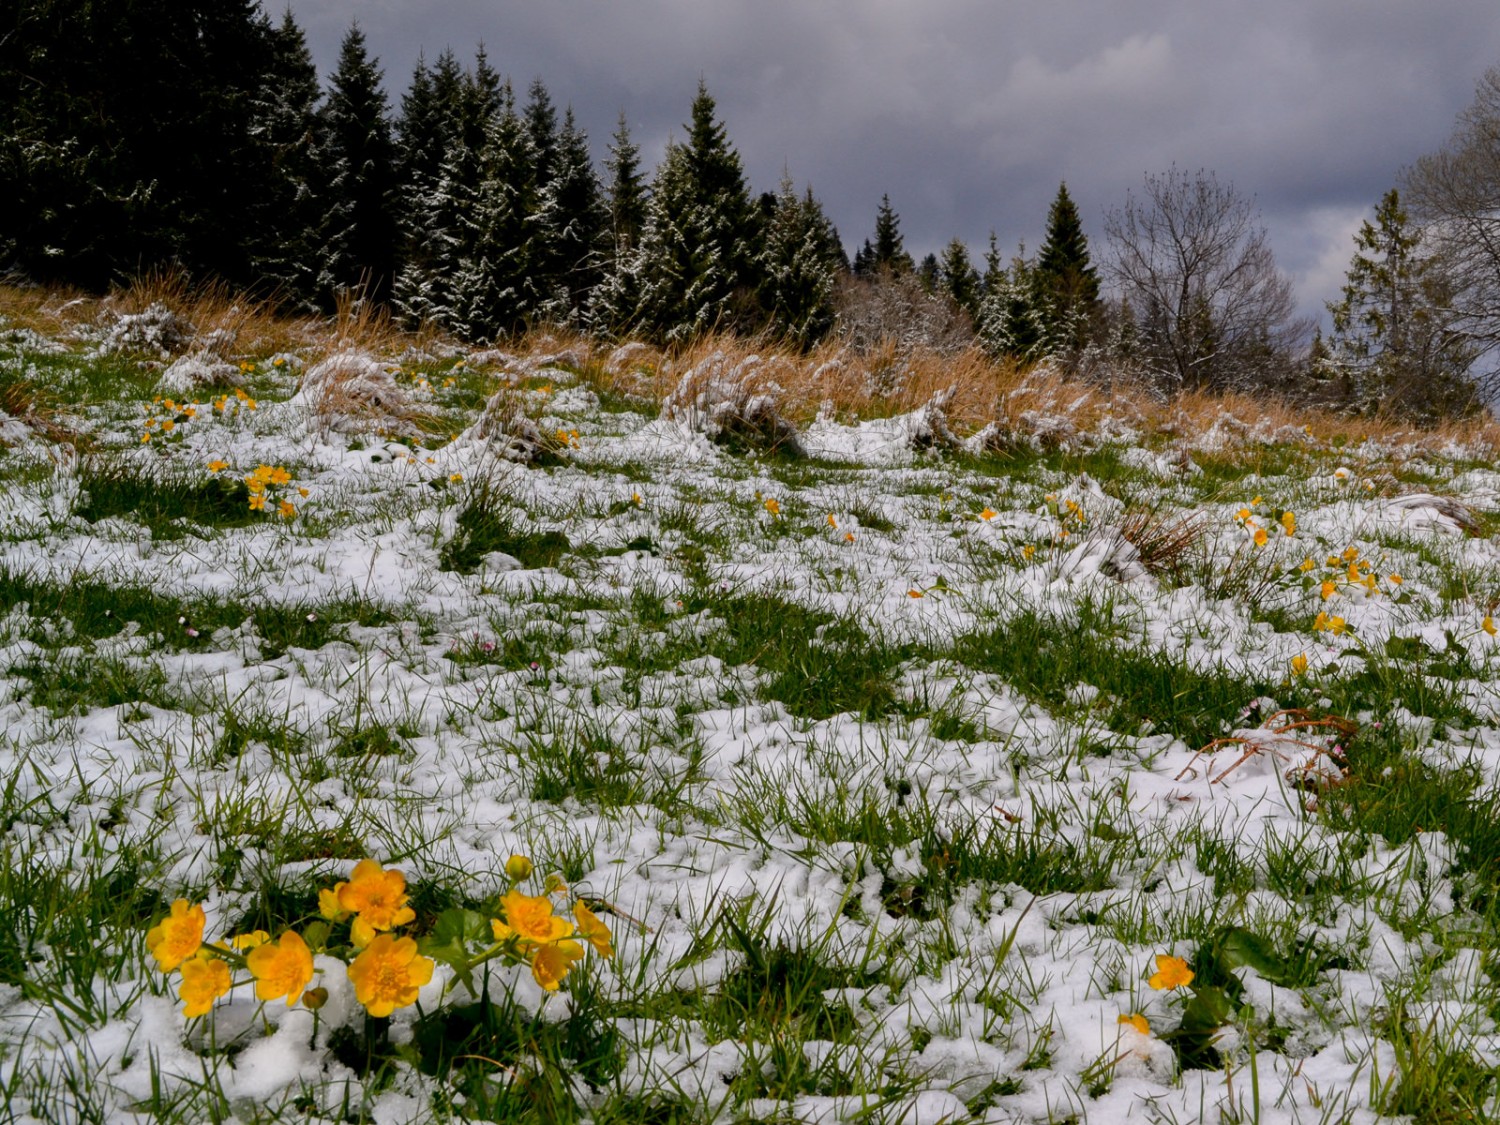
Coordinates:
896	774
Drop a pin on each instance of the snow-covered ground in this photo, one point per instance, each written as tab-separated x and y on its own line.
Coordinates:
976	867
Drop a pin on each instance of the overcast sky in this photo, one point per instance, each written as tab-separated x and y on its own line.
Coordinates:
969	112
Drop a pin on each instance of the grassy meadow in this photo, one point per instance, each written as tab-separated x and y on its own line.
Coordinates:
927	741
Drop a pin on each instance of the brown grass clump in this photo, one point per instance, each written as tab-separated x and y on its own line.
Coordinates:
1164	543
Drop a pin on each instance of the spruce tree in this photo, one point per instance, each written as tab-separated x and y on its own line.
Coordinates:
1010	321
697	264
284	227
958	278
799	263
1390	344
890	254
576	224
358	160
494	290
627	188
1066	284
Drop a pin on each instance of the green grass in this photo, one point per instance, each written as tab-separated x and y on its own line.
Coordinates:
171	504
486	524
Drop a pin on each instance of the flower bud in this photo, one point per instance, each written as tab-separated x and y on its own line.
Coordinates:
517	867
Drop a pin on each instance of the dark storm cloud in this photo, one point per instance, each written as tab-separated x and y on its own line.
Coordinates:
969	112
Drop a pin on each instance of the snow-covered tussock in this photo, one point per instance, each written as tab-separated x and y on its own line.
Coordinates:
192	373
158	329
505	428
732	402
927	427
351	392
1426	511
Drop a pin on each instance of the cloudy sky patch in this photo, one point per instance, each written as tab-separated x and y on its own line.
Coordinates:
969	112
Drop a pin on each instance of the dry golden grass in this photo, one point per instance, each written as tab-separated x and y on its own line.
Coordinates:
1042	403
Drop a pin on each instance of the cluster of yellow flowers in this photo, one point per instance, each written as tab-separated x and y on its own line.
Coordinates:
1251	521
387	970
230	405
1068	514
1171	973
567	439
165	417
1347	569
261	482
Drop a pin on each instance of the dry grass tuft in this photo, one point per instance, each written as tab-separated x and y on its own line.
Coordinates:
1164	542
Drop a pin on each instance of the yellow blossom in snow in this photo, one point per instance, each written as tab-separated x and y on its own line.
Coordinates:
833	523
1307	565
915	594
286	510
1350	554
177	936
987	514
378	896
531	919
250	940
773	506
848	537
1242	515
592	930
1327	590
1171	972
389	974
1260	537
1289	522
283	968
1394	579
550	963
1137	1021
204	980
1488	625
257	503
1299	664
217	466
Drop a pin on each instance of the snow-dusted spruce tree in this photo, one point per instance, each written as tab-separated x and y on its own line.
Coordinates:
615	298
1391	348
800	263
1067	287
494	289
958	278
284	224
570	218
1011	321
698	260
426	134
889	249
356	155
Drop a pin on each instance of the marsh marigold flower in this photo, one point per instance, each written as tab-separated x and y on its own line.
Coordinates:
987	514
376	895
1261	537
204	980
550	963
1289	522
1488	625
389	974
773	506
217	466
1299	664
177	936
1137	1021
1171	972
593	931
1327	590
250	940
281	968
530	918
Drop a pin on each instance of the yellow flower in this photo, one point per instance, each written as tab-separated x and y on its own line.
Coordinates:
455	477
1242	515
1327	590
217	466
592	930
257	503
914	594
517	867
328	903
1337	625
376	895
550	963
1289	522
1137	1021
1299	664
831	521
988	514
1341	474
635	498
177	936
848	537
282	968
1350	554
1027	552
249	941
389	974
1171	972
1255	502
1307	565
773	506
1395	580
531	919
1488	625
286	510
1260	537
204	980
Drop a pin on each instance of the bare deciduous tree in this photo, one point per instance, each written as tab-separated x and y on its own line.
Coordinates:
1192	261
1455	194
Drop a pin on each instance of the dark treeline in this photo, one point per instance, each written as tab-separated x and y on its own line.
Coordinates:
195	135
